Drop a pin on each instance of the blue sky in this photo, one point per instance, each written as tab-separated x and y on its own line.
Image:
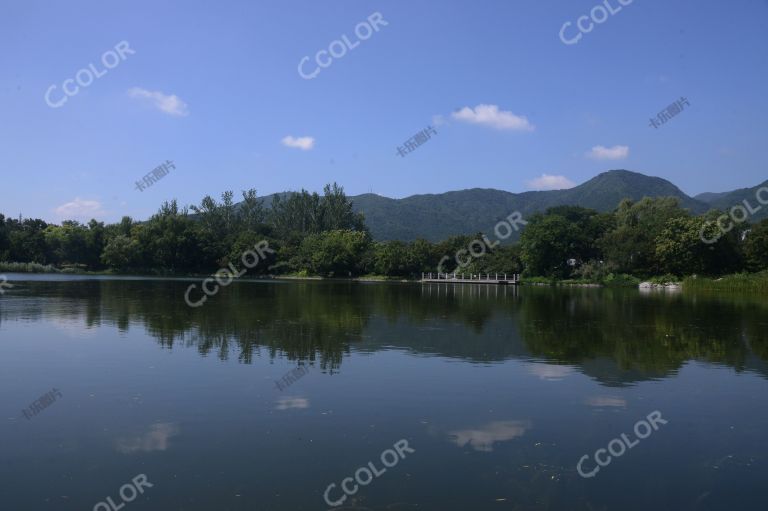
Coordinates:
216	89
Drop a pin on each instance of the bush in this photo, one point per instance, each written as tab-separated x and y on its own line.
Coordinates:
595	271
621	280
667	278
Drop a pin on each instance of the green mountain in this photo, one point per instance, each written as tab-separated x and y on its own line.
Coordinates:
438	216
726	200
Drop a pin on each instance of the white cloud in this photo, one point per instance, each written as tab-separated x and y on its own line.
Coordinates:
490	115
482	439
288	403
170	104
303	143
548	182
80	209
157	439
617	152
438	120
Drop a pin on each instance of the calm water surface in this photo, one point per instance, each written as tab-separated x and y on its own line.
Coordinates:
499	391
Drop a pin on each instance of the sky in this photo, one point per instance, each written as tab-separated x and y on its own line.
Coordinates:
215	88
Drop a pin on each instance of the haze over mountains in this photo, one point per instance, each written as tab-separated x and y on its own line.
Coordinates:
436	217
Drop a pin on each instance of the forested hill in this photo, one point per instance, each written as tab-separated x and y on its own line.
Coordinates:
436	217
726	200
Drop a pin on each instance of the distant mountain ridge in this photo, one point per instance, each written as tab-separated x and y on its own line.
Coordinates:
726	200
436	217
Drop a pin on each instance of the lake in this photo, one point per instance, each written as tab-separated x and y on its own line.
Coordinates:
287	395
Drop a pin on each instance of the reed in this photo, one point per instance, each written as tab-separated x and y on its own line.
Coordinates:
26	268
740	282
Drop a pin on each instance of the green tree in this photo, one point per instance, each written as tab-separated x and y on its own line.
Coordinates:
756	247
336	211
679	248
27	241
335	253
169	241
390	258
631	246
562	233
420	257
121	253
5	242
545	247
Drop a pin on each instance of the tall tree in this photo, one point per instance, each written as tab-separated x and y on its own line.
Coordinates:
756	247
631	246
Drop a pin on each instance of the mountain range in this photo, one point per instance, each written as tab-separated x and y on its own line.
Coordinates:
436	217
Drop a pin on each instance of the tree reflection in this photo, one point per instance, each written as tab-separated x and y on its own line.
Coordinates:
615	336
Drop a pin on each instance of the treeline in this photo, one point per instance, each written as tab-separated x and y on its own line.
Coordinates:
644	238
309	233
316	234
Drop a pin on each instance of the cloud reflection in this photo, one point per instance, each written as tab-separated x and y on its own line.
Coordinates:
482	439
602	401
550	371
157	439
288	403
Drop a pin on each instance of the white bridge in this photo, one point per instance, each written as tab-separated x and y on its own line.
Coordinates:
472	278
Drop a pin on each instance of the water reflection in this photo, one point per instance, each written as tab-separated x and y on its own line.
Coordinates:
483	438
550	372
290	403
616	337
156	439
606	402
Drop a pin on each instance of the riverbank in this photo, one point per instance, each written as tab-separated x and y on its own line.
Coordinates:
743	282
740	282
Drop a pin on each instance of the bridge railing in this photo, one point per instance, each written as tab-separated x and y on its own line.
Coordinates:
513	277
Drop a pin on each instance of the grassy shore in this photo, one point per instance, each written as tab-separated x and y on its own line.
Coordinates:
27	268
740	282
610	280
